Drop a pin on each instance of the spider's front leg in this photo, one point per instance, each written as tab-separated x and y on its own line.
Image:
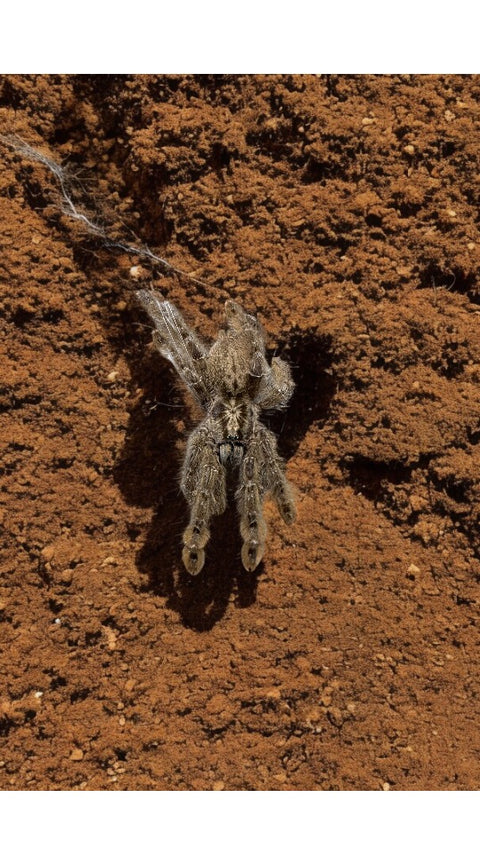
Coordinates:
250	503
204	486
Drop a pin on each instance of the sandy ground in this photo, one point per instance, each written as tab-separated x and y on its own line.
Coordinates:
344	212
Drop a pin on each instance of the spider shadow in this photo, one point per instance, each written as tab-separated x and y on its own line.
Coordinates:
310	358
201	600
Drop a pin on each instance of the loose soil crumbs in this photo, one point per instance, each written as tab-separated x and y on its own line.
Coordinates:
344	211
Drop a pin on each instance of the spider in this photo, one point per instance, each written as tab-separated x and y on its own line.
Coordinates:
232	382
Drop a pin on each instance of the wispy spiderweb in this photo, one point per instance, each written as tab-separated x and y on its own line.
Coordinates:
70	209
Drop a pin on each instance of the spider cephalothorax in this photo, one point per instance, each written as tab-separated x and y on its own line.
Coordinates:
233	382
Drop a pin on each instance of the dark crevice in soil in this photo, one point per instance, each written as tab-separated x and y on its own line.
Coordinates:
369	477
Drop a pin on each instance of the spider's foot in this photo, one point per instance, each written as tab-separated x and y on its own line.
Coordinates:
286	503
193	559
252	554
288	513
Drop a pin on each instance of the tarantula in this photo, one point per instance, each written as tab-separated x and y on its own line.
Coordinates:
233	382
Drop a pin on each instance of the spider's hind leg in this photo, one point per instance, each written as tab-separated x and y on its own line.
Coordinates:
250	495
249	502
261	472
274	478
203	485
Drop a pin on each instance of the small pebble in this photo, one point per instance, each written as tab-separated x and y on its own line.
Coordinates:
409	149
218	785
48	552
413	571
386	786
76	755
136	271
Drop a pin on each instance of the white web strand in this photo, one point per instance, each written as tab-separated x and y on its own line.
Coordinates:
70	209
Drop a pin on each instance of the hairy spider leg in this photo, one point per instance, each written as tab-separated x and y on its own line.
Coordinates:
177	342
261	472
253	528
204	486
277	386
273	475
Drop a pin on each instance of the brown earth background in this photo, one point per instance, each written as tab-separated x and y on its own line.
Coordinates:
344	211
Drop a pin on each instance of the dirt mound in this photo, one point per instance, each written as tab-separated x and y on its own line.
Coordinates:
344	212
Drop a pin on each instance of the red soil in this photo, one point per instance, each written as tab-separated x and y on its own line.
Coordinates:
344	212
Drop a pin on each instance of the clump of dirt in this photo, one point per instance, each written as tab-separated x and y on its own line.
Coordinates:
343	210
